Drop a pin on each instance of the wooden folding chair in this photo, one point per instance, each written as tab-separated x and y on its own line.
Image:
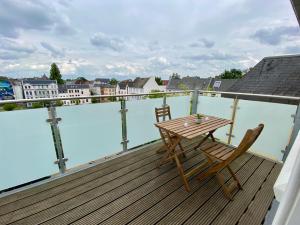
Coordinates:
220	155
163	114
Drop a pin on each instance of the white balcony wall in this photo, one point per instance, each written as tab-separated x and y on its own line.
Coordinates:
26	151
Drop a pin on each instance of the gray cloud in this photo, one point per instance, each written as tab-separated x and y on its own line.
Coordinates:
212	56
55	52
11	49
274	36
19	15
104	41
11	45
203	42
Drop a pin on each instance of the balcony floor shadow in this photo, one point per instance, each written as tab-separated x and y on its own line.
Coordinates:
130	189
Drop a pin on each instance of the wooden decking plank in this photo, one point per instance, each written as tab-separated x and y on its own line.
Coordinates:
117	199
216	206
186	209
142	212
233	212
147	151
258	208
91	177
82	194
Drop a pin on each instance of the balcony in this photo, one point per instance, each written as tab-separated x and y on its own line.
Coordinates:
109	180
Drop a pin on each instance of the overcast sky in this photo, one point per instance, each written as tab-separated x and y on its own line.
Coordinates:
128	38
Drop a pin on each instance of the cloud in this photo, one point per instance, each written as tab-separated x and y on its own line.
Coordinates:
55	52
212	56
12	49
123	68
202	42
104	41
12	45
275	35
20	15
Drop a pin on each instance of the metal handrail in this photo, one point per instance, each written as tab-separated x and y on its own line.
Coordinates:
90	97
236	94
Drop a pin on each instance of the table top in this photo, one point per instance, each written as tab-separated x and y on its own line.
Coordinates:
186	127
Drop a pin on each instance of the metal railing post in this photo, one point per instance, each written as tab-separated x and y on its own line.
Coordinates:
124	124
294	134
194	102
233	115
164	105
53	121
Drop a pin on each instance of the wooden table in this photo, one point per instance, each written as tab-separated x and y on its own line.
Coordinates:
186	127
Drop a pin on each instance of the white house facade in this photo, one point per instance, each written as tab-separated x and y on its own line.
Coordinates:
36	89
75	90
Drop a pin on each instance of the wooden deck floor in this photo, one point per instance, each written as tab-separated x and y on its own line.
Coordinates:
131	190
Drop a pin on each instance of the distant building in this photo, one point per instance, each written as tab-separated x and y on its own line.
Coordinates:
6	90
165	82
189	83
122	87
193	83
101	81
96	89
18	89
138	86
276	75
222	84
107	89
75	90
39	89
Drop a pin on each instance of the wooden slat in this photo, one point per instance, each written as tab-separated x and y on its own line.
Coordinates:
96	188
258	208
88	180
205	215
138	193
137	155
186	209
112	202
150	201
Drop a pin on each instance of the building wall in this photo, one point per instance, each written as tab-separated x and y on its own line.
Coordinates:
18	91
36	91
151	85
76	93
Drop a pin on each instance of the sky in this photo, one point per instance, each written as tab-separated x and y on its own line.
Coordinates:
130	38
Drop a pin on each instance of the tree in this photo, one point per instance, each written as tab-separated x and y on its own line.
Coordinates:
158	81
55	74
113	81
9	106
37	105
175	76
231	74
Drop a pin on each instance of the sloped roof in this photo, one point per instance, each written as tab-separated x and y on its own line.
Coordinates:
278	75
225	84
190	83
39	81
140	82
107	86
103	80
64	87
124	83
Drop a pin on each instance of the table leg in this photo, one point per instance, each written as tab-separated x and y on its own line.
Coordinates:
210	134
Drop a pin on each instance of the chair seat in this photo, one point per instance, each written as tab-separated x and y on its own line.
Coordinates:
217	150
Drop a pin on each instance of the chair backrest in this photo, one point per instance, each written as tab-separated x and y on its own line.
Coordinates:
163	112
247	141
